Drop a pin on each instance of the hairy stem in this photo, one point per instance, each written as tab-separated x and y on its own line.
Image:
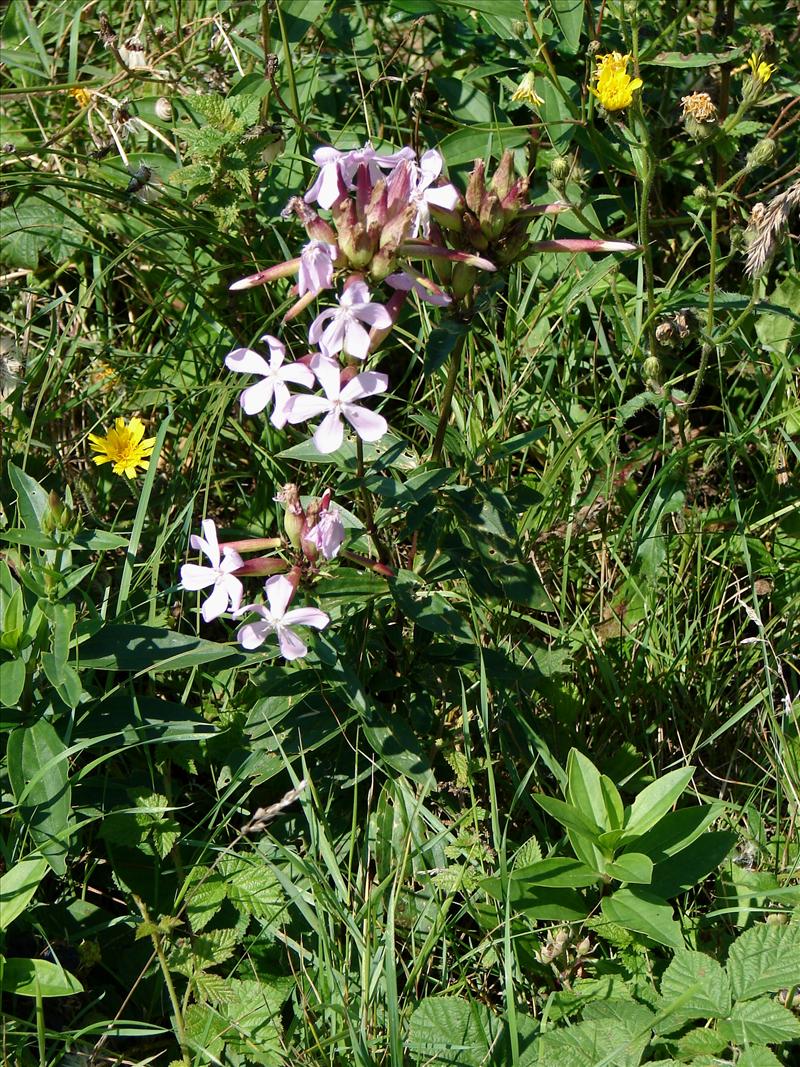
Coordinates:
180	1026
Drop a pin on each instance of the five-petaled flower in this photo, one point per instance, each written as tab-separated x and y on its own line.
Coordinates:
123	446
276	619
227	587
425	195
274	376
345	332
337	170
339	402
615	87
327	534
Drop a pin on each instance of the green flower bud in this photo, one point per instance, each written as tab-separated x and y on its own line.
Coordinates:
652	370
559	170
761	154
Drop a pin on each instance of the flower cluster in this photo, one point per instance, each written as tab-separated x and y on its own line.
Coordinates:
615	87
385	211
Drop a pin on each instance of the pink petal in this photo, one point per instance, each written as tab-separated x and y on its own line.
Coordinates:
234	589
277	350
375	315
328	374
306	617
329	433
355	292
356	340
446	197
246	361
291	645
216	603
582	244
370	383
254	634
256	397
231	561
329	187
369	425
306	407
315	329
279	592
298	373
211	547
194	576
332	339
280	412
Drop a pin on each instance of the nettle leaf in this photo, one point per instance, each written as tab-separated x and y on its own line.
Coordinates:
764	959
205	894
699	987
451	1030
760	1022
253	888
253	1014
214	109
590	1043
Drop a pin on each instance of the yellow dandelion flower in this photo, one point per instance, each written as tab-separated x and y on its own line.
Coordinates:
82	97
612	63
123	446
762	71
526	91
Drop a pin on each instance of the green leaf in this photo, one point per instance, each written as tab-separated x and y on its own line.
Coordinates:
548	902
676	830
452	1031
17	887
252	888
37	768
32	978
700	985
764	959
568	815
691	865
655	800
584	789
31	498
476	142
636	910
758	1056
551	872
693	60
253	1012
443	339
569	16
760	1022
206	890
631	867
12	682
142	648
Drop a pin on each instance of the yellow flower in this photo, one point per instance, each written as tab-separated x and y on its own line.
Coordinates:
762	72
615	87
123	446
526	91
82	97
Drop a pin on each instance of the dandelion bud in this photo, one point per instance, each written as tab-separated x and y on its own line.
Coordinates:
761	154
652	370
163	109
559	170
760	74
703	194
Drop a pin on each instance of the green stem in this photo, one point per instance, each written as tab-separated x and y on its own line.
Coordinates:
712	284
447	399
180	1025
366	500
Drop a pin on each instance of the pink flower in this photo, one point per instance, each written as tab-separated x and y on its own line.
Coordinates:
316	267
328	534
227	587
339	403
276	619
442	196
274	377
338	169
344	332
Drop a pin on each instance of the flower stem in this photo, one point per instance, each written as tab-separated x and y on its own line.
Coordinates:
712	283
366	500
447	399
180	1026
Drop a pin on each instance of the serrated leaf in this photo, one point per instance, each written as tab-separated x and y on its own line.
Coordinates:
758	1056
760	1022
697	986
764	959
253	888
213	987
702	1041
451	1030
528	852
204	896
253	1014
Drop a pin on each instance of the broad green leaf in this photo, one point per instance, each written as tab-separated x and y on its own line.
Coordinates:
569	816
443	339
584	789
698	985
592	1043
12	682
676	830
656	800
31	498
31	978
693	60
690	866
37	768
253	1011
17	887
549	902
760	1022
476	142
550	872
141	648
758	1056
639	911
569	16
631	867
613	802
764	959
252	888
701	1041
451	1030
206	890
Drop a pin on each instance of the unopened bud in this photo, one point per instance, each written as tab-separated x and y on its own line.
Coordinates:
703	194
560	167
293	516
518	28
761	154
476	186
652	370
164	109
463	280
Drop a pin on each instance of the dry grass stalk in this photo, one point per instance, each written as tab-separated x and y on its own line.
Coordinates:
768	224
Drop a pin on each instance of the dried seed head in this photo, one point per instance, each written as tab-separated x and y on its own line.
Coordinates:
768	224
700	107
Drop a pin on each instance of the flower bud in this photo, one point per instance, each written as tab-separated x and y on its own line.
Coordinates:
761	154
703	194
476	187
652	370
463	280
293	516
503	177
560	167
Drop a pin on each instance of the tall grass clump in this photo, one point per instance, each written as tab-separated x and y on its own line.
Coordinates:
399	522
